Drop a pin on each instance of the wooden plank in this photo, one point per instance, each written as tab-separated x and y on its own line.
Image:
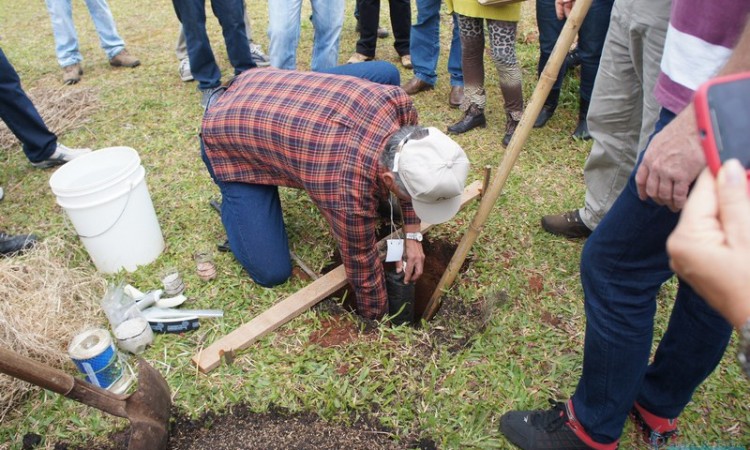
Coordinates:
284	311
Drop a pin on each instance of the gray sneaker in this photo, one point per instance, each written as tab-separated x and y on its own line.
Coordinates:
259	58
62	155
210	95
184	70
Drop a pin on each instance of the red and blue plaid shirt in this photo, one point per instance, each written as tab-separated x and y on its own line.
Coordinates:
321	133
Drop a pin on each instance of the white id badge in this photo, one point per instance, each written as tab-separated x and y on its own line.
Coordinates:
395	250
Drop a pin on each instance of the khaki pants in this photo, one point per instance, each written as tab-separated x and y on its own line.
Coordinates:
623	109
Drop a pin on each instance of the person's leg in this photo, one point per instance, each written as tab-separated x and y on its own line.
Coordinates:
424	46
623	109
180	49
503	52
475	98
254	222
192	15
454	56
381	72
21	117
550	28
328	19
64	31
369	16
109	39
400	11
231	15
284	32
623	265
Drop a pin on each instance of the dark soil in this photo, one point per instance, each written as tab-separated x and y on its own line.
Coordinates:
276	429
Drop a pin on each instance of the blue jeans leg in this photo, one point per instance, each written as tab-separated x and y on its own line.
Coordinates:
328	19
590	43
231	15
109	39
64	31
623	265
254	222
192	15
549	29
425	41
21	117
454	56
381	72
284	32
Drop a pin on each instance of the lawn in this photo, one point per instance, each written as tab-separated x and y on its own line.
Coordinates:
450	380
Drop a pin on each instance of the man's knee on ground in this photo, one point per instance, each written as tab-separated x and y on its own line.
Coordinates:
270	276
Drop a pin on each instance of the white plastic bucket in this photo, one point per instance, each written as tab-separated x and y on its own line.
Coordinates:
104	194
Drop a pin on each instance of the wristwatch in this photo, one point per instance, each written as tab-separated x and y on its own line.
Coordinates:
743	352
414	236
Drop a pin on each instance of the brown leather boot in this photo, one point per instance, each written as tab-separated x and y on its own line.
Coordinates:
510	128
474	117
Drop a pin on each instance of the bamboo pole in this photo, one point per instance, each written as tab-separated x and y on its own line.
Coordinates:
546	80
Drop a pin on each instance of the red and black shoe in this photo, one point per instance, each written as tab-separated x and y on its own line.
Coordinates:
656	431
553	429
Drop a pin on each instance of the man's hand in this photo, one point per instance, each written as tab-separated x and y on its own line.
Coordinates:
710	247
563	8
414	261
673	160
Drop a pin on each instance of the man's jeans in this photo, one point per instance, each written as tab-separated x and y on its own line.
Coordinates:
21	117
590	41
425	45
231	13
66	40
284	32
381	72
623	265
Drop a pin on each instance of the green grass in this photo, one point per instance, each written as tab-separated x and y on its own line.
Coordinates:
452	388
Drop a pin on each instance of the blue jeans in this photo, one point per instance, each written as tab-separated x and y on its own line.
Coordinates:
231	14
425	45
252	217
591	37
623	265
284	32
21	117
66	39
381	72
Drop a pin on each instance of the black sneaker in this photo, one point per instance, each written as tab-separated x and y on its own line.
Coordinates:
553	429
14	244
567	224
656	431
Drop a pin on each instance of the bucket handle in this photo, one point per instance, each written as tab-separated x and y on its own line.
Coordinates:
119	216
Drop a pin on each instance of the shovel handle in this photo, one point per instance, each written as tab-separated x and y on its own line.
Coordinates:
26	369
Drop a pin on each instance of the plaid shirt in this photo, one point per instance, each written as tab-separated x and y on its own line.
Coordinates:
321	133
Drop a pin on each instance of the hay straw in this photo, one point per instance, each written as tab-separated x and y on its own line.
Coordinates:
43	304
62	109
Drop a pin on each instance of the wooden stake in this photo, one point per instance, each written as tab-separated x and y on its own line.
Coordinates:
284	311
546	80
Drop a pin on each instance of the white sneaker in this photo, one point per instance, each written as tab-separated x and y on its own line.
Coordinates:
259	58
184	70
2	193
62	155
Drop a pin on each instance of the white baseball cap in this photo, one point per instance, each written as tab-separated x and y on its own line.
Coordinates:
433	167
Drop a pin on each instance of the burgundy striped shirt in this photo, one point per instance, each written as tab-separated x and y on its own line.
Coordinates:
321	133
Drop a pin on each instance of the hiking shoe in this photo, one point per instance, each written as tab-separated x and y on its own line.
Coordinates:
124	59
259	58
358	58
62	155
567	224
72	74
555	428
184	70
14	244
656	431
